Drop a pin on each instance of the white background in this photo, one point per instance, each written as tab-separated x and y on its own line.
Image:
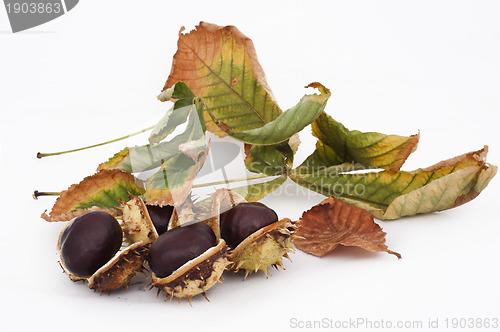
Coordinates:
393	67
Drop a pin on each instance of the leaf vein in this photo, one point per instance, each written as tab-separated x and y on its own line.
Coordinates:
218	76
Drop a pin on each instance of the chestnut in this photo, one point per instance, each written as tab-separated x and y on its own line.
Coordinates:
160	216
179	245
253	232
89	242
242	220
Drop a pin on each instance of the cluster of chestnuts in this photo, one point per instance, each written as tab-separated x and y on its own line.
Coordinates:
185	259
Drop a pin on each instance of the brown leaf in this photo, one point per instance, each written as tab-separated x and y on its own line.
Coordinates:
332	222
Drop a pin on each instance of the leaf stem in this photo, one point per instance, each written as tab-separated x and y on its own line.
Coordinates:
260	176
37	193
40	155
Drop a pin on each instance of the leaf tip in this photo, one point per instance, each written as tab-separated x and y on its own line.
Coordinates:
481	154
181	30
45	216
323	90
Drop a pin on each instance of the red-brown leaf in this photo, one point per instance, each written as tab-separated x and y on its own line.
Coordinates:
332	222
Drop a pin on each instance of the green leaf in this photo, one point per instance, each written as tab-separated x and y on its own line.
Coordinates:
257	191
268	159
178	113
287	124
389	195
168	123
336	144
103	191
178	91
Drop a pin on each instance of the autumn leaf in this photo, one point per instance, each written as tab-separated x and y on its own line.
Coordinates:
257	191
268	159
146	157
337	144
178	159
179	91
286	124
103	191
187	107
331	223
141	158
389	195
185	102
172	184
271	159
220	65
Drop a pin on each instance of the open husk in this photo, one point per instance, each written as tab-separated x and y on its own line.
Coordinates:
263	248
196	276
117	272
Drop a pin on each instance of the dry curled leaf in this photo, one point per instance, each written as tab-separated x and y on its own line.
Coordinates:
332	222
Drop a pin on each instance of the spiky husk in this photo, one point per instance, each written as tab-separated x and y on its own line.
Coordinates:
117	272
120	269
137	225
265	247
196	276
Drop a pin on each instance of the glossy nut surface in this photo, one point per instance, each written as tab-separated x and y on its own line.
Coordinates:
179	245
89	242
160	216
244	219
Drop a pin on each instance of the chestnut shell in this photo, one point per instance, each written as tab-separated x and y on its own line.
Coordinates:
244	219
179	245
89	242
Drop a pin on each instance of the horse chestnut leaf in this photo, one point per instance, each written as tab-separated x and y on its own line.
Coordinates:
89	242
179	245
160	216
244	219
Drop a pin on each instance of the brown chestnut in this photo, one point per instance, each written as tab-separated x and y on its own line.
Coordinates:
160	216
244	219
89	242
179	245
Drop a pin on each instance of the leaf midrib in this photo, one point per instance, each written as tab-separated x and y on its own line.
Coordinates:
221	80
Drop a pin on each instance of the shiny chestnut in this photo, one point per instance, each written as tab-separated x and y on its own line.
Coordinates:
89	242
160	216
244	219
179	245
